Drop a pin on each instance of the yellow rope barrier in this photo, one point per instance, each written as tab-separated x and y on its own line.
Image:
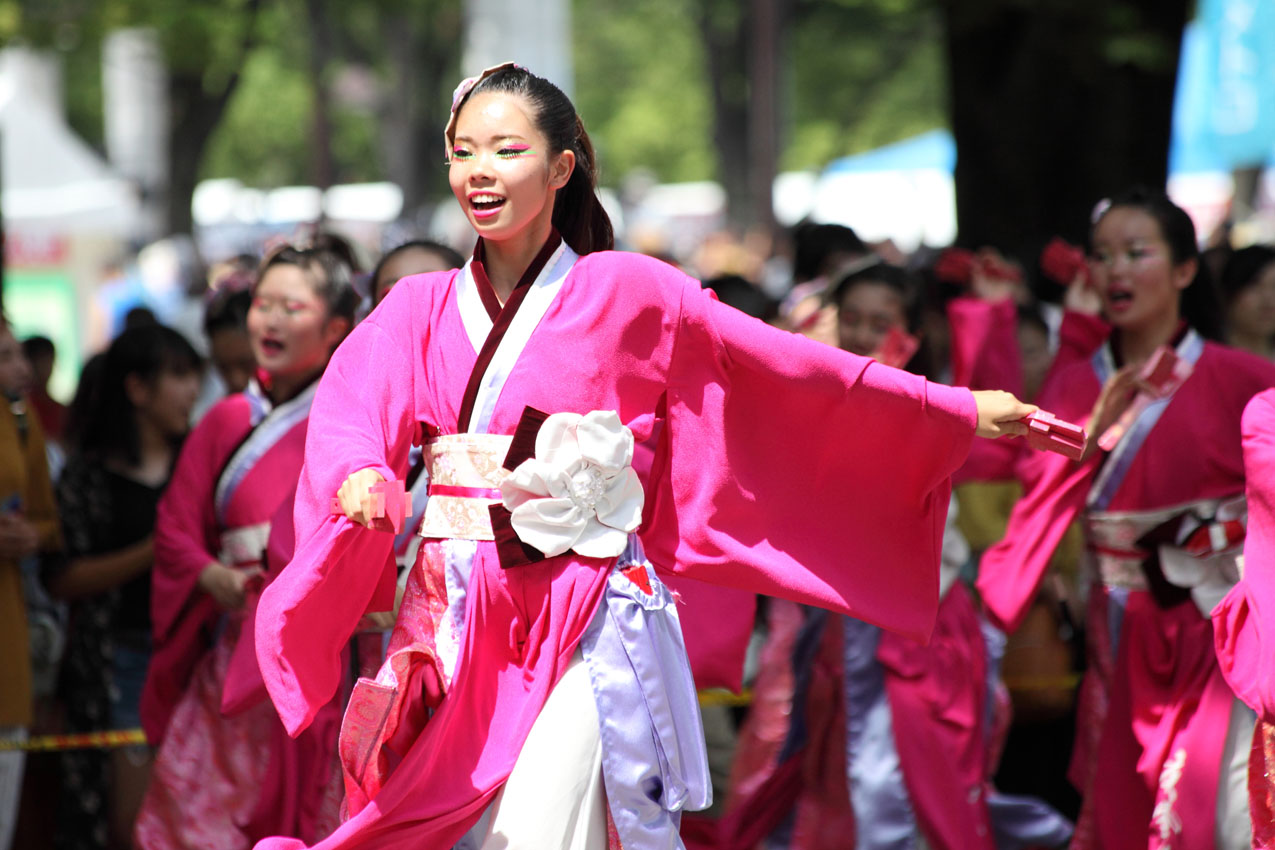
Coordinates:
79	741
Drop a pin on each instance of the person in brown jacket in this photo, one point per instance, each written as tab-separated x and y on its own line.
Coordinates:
28	525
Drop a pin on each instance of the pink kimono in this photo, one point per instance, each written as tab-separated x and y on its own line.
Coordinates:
1242	622
1153	703
858	737
226	772
783	467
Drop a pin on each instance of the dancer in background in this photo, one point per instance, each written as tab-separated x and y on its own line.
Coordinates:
537	690
1248	292
858	735
416	257
1154	758
225	772
123	439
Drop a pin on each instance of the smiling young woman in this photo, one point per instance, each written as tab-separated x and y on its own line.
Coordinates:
537	690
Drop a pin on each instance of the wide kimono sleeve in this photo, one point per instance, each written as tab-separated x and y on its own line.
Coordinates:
797	470
985	350
1244	621
183	616
1054	492
363	417
185	523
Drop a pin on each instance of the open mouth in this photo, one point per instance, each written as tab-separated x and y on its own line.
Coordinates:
1119	298
486	204
271	346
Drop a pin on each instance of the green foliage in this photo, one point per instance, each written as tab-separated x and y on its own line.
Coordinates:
262	138
858	74
641	88
864	73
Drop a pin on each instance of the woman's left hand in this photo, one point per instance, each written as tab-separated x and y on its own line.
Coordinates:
999	413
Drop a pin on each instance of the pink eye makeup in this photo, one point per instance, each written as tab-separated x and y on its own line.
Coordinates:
461	153
514	151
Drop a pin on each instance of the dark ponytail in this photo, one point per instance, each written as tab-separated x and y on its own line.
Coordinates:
577	213
1199	303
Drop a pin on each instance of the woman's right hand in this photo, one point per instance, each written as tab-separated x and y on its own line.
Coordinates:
355	497
1114	399
1082	297
227	585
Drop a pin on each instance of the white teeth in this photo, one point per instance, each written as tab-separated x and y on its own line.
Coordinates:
485	199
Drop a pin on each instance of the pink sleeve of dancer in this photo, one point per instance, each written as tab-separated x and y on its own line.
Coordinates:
985	352
794	469
364	417
185	525
1244	621
1054	492
1079	336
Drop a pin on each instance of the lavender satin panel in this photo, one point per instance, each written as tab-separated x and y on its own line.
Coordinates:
883	814
1018	822
1117	600
638	669
459	562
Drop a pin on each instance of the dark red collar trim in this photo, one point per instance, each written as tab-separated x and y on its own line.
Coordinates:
487	292
501	320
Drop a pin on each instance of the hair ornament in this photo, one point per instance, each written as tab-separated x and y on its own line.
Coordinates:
1099	210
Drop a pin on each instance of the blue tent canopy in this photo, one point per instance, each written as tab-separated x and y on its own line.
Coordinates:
932	150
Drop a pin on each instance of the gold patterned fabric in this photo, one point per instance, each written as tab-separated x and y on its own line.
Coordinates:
470	461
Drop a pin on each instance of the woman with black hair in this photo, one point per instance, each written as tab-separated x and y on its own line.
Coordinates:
1248	290
857	735
1160	493
537	690
130	415
225	772
418	256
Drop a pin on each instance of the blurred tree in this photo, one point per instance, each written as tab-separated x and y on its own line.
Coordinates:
205	45
387	70
848	75
863	73
1055	104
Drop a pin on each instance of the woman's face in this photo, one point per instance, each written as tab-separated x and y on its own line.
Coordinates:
291	331
1252	310
502	172
407	262
230	350
868	311
167	400
1133	269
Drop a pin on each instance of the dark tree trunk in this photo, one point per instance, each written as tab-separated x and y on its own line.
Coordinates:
768	27
725	29
323	169
194	114
1053	106
423	50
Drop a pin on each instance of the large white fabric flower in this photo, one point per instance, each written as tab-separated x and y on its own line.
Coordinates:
580	491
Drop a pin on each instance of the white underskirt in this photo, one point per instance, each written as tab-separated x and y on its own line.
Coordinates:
554	798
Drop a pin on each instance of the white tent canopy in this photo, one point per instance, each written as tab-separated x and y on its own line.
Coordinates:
52	180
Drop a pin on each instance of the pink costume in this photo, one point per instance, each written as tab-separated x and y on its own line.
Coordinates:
783	467
1243	623
1153	702
858	737
226	772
